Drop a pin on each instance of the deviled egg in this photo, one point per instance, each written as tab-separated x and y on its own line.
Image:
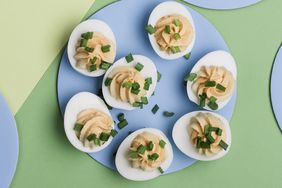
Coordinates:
145	154
92	48
212	81
130	82
202	135
171	30
88	123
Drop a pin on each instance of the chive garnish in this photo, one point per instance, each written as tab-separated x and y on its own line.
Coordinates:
212	99
202	99
168	114
88	49
167	29
129	58
122	124
175	49
155	109
139	67
162	143
105	48
149	80
223	145
87	35
92	68
146	86
83	43
120	116
133	155
159	76
187	56
198	144
177	22
161	170
144	100
105	65
205	145
104	136
210	83
135	86
137	104
213	105
220	87
97	142
141	149
113	133
190	77
93	60
150	29
207	129
150	146
153	157
135	91
176	36
91	137
78	127
219	132
127	85
108	81
210	138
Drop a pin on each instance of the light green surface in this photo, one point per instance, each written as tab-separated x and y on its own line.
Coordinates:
32	33
255	159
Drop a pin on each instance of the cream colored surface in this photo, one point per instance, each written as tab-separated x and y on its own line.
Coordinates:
34	37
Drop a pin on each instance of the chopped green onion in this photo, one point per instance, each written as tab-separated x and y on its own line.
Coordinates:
144	100
223	145
91	137
83	43
167	29
93	60
199	141
159	76
108	81
97	142
105	65
127	85
149	80
141	149
88	49
92	68
133	155
146	86
213	129
210	83
219	132
175	49
153	157
161	170
205	145
122	124
135	91
150	29
187	56
129	58
135	86
150	146
87	35
168	114
203	99
155	109
120	116
139	66
213	105
162	143
190	77
104	136
106	48
210	138
220	87
137	104
207	129
212	99
113	133
78	127
176	36
177	22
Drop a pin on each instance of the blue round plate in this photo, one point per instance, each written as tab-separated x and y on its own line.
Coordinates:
9	144
127	18
222	4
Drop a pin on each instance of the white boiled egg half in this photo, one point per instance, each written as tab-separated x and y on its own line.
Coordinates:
149	70
91	25
216	58
124	167
78	103
165	9
182	139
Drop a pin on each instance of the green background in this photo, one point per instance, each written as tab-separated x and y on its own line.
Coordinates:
255	160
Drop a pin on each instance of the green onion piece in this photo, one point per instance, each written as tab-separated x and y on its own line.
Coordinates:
162	143
212	99
97	142
175	49
210	83
220	87
121	116
141	149
150	29
113	133
187	56
210	138
168	114
167	29
87	35
135	86
191	77
199	141
207	129
83	43
122	124
127	85
135	91
105	65
219	132
205	145
108	81
129	58
139	66
159	76
137	104
161	170
92	68
78	127
155	109
213	129
153	157
213	105
150	146
149	80
93	60
106	48
146	86
104	136
144	100
177	22
202	99
223	145
133	155
91	137
176	36
88	49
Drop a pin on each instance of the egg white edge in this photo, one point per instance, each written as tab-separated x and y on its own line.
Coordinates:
162	10
136	174
149	70
182	139
215	58
79	102
88	26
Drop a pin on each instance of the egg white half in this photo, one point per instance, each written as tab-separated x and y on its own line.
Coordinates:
149	70
91	25
124	166
183	141
215	58
79	102
165	9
